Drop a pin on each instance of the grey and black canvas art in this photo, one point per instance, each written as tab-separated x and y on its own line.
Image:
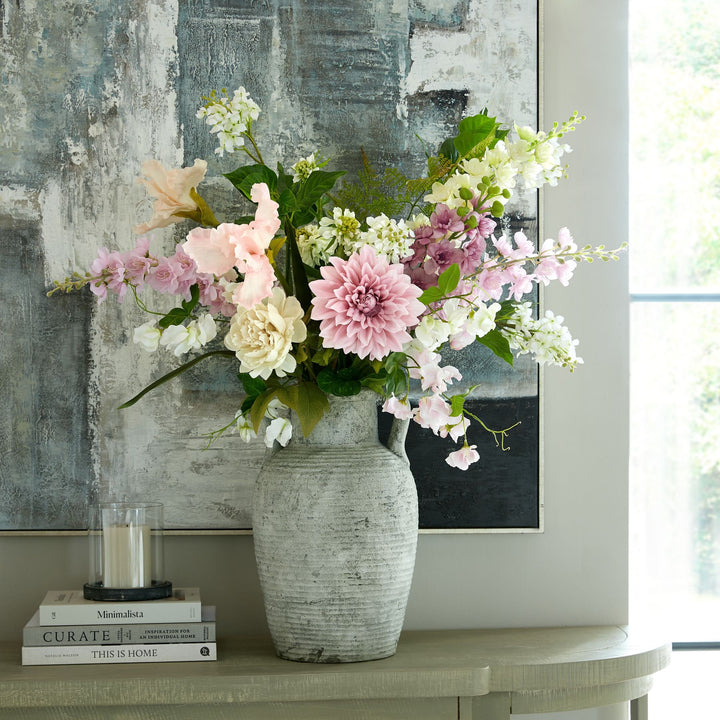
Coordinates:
89	89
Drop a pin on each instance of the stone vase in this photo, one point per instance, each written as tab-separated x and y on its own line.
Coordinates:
335	524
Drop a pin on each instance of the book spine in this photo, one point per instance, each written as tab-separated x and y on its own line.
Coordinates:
39	636
102	654
100	613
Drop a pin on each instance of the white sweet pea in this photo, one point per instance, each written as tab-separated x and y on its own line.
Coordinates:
179	339
482	320
147	336
206	328
432	332
244	427
278	430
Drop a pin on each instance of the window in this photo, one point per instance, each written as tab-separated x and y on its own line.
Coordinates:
675	315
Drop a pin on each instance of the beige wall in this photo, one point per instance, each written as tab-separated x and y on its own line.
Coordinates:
576	571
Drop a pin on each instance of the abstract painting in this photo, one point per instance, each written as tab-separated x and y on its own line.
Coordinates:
89	89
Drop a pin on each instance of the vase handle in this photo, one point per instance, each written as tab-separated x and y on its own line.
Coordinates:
396	439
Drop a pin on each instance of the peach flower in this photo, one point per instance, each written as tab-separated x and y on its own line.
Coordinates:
171	190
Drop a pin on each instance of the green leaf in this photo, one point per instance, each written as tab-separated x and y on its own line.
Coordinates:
498	343
457	403
308	402
475	134
338	383
300	284
397	382
245	177
375	382
449	279
449	150
252	386
431	295
287	203
176	316
189	305
259	407
317	184
174	373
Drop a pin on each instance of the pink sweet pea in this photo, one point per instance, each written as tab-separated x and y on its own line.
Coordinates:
432	412
463	458
399	408
243	247
211	249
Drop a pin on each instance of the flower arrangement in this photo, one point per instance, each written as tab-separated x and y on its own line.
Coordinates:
327	290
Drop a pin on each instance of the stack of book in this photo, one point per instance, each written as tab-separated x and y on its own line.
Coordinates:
68	629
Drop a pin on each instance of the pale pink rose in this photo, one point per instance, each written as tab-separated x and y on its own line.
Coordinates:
399	408
171	190
211	249
365	305
463	458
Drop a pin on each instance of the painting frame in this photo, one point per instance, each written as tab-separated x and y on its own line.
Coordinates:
100	414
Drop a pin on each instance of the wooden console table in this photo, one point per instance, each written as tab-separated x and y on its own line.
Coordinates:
458	675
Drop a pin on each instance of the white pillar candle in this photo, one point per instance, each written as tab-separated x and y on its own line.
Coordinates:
126	556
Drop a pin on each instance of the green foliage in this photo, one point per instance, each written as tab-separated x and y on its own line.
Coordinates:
397	381
307	400
476	134
498	343
178	315
390	192
174	373
447	282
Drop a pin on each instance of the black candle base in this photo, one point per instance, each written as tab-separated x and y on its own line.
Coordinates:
157	591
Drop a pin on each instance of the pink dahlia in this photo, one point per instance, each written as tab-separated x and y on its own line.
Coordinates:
365	305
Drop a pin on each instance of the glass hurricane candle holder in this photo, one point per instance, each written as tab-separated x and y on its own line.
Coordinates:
126	552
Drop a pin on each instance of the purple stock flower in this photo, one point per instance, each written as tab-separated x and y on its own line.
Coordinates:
444	254
446	222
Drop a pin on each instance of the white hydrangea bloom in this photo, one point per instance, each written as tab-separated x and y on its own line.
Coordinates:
386	236
305	167
546	338
182	339
178	339
432	332
315	249
538	157
229	119
342	230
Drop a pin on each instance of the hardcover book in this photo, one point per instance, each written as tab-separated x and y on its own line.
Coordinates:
92	654
35	634
69	607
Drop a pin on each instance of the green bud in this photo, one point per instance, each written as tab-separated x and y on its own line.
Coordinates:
506	194
497	209
463	210
466	193
471	222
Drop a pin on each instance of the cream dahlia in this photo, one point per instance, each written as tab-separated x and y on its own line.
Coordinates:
262	336
365	305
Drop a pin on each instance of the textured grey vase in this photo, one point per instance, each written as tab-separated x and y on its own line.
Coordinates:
335	524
